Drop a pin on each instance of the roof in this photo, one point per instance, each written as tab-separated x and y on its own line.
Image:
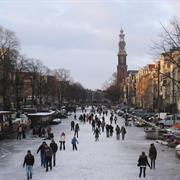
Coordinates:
42	113
5	112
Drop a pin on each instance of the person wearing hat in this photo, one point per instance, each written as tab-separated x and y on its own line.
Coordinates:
152	155
29	162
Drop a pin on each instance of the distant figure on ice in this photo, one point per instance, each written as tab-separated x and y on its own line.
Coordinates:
115	119
76	130
19	132
72	125
96	133
74	141
123	132
142	163
107	130
42	153
103	124
54	148
152	155
62	141
118	131
111	130
29	162
75	116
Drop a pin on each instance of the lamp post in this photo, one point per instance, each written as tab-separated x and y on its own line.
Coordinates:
158	72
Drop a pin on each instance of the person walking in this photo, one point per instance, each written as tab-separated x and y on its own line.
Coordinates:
42	153
19	132
152	155
115	119
123	132
96	133
76	130
54	148
142	163
118	131
107	130
72	125
48	157
29	162
111	130
62	141
74	141
103	125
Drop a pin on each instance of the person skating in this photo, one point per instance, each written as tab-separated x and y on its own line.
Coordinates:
54	148
74	141
76	130
152	155
72	125
111	130
142	163
19	132
118	131
103	125
48	157
96	133
123	132
42	153
107	130
115	119
29	162
62	141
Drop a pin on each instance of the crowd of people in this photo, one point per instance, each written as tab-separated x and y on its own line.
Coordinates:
99	124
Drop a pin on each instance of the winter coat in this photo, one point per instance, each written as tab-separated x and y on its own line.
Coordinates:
143	161
54	147
48	152
77	127
62	138
152	152
41	149
74	141
29	160
118	130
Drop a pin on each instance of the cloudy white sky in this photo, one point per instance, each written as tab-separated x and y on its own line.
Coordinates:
82	36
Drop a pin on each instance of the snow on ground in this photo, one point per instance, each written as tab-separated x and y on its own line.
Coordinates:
107	159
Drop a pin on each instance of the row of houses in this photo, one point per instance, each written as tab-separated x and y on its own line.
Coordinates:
156	86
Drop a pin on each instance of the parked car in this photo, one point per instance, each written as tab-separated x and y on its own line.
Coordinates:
169	121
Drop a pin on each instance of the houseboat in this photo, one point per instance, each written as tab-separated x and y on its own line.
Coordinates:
41	118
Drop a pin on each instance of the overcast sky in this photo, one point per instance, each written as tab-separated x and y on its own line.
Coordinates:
82	36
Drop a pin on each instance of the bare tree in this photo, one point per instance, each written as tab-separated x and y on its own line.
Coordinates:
8	55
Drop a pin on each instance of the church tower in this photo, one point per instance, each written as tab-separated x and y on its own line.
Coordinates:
121	67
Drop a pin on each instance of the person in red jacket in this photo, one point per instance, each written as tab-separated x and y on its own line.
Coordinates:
29	162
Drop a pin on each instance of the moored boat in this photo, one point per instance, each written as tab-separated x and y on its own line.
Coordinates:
151	133
177	149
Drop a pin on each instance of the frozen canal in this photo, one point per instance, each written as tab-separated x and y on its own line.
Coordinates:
107	159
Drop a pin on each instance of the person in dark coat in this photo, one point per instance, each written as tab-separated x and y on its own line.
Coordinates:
142	163
42	153
152	155
48	157
118	131
123	132
72	125
54	148
107	130
29	162
96	133
76	130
